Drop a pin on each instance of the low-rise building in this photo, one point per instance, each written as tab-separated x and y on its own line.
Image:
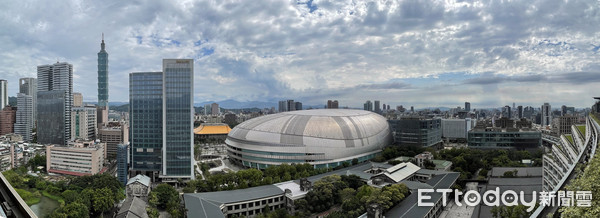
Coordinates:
138	186
113	134
212	130
79	158
133	208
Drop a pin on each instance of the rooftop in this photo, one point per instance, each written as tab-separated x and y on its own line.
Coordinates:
133	208
145	180
208	204
212	129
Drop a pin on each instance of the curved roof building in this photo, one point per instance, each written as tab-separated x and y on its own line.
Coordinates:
323	138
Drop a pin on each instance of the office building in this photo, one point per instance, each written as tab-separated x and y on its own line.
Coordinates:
368	106
79	158
77	99
467	106
507	112
528	112
282	107
298	106
113	134
377	107
55	98
332	104
161	123
122	166
3	93
83	123
454	129
101	116
178	110
54	127
215	110
325	138
103	76
506	137
25	116
418	131
546	115
207	109
520	111
291	106
8	116
145	121
28	86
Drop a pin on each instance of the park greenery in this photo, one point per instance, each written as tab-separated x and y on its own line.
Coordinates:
85	196
165	197
250	177
351	193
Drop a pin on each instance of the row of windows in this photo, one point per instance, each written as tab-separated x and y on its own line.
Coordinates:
254	204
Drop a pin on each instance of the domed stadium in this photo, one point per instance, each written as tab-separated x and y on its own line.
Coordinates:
324	138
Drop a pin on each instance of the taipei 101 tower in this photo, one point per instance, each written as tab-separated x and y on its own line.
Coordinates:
102	85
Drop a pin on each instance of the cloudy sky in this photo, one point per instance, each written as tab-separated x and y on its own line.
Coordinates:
421	53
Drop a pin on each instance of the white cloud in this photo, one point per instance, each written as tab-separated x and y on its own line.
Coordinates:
269	50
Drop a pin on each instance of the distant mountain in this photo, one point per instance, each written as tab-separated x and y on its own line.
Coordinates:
233	104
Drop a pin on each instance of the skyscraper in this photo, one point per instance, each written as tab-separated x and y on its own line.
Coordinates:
178	121
214	109
3	94
520	111
546	115
467	106
28	86
368	106
507	112
161	120
207	110
102	75
334	104
55	98
282	106
377	108
54	123
145	121
25	116
298	106
291	106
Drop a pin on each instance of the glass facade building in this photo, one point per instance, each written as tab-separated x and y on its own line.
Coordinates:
501	138
54	81
51	117
145	120
102	75
417	131
178	111
122	163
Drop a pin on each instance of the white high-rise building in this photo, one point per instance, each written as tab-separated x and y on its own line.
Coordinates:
546	115
28	86
3	94
25	119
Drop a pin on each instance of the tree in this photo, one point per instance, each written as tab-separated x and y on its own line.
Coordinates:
166	197
76	210
70	196
102	200
346	194
152	212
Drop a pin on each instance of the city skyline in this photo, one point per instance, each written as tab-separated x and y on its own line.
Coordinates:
402	53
